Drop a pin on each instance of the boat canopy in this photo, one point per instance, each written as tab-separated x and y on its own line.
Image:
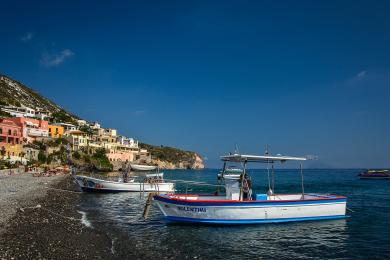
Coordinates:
259	158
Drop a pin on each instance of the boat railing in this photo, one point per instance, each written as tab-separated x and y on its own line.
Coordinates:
99	176
196	183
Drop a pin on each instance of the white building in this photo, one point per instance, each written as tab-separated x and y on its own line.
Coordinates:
128	142
81	122
42	114
67	127
95	125
19	111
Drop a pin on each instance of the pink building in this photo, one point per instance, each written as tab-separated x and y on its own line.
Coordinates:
31	128
10	132
115	155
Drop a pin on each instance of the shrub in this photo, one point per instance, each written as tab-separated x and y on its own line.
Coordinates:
42	157
76	155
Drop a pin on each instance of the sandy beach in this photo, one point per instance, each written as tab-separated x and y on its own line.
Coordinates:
39	219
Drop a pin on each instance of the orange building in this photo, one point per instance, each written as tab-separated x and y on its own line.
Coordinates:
56	131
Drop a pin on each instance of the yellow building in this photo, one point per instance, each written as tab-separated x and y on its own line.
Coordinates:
56	131
77	139
11	152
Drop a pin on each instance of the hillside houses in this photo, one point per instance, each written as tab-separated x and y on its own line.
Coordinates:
28	125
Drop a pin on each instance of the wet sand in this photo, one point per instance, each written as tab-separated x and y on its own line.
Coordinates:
40	220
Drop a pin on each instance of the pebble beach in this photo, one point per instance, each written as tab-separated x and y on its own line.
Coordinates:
39	219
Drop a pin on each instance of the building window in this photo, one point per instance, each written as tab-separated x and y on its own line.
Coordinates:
1	131
9	131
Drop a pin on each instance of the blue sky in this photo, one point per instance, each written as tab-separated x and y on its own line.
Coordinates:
304	77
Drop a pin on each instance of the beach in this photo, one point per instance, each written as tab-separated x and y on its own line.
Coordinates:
39	219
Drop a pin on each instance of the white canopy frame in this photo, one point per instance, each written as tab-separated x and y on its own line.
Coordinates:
268	159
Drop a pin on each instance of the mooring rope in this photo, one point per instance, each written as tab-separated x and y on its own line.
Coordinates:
72	191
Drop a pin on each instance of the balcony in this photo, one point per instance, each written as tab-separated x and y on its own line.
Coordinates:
37	132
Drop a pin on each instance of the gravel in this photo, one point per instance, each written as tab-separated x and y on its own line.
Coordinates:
39	220
18	191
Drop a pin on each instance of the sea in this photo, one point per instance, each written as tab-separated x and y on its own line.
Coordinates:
364	234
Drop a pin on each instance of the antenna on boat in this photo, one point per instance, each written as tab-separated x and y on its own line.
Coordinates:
236	151
270	191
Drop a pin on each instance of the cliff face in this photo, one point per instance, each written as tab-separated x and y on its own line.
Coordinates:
195	164
172	158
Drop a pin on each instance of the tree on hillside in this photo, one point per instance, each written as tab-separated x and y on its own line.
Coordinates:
3	152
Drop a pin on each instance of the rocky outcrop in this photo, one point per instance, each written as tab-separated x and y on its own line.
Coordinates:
196	163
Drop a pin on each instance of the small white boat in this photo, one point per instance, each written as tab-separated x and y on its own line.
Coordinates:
149	184
140	167
240	206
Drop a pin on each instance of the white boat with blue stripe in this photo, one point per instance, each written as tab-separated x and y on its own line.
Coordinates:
240	206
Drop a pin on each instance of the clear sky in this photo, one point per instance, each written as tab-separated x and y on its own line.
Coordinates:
304	77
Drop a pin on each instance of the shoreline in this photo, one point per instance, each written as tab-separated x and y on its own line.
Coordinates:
42	221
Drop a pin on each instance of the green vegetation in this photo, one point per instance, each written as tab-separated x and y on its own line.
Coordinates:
42	157
62	116
86	129
76	155
100	161
4	114
59	156
57	142
6	165
169	154
39	145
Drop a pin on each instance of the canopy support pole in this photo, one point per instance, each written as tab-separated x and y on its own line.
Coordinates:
270	192
303	189
273	178
242	182
222	176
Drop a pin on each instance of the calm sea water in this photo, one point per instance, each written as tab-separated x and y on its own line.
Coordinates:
364	234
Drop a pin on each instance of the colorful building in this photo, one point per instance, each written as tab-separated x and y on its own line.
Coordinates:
77	139
56	131
10	132
30	153
31	128
11	140
122	154
67	127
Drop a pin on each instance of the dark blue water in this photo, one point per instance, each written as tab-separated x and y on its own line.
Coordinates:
364	234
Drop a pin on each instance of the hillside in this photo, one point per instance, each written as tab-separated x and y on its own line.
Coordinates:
15	93
173	158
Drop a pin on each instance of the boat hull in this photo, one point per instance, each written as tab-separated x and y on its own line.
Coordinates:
250	212
139	167
89	184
